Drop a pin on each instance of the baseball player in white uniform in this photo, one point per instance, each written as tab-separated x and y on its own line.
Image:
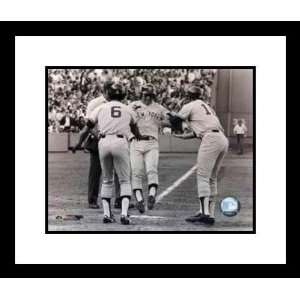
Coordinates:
214	145
145	152
90	138
114	121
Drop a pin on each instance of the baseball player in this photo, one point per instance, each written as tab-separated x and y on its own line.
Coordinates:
150	117
214	145
90	135
115	123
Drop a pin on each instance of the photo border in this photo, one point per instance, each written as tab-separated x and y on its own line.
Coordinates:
253	231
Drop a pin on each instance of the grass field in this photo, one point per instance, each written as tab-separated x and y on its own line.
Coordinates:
67	190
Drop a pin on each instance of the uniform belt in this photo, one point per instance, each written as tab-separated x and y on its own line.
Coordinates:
102	136
147	138
202	135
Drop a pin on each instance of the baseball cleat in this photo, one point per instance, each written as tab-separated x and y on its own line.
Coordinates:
208	220
94	205
125	220
108	219
151	201
196	218
140	206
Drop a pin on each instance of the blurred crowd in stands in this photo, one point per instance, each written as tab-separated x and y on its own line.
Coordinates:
69	90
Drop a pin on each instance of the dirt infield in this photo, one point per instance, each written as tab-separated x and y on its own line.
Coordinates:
67	190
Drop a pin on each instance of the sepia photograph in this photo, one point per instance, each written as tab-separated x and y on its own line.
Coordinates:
150	149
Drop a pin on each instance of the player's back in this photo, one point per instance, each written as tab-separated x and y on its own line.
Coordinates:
201	116
114	118
94	104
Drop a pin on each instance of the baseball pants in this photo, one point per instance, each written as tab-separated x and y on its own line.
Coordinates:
114	155
240	143
144	154
213	148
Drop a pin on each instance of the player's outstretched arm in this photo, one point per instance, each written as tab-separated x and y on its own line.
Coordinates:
135	130
82	137
175	121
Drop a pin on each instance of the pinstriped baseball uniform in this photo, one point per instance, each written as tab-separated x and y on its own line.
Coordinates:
214	145
149	119
114	120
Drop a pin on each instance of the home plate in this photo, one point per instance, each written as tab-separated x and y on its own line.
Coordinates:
148	217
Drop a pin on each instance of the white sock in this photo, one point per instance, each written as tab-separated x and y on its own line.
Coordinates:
106	207
138	195
205	202
212	205
125	205
152	191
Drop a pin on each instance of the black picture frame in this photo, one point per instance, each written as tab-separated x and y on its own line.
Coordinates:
11	29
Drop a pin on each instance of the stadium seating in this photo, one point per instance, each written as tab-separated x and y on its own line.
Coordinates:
69	90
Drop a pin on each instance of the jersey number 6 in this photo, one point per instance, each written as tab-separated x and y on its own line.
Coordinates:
115	111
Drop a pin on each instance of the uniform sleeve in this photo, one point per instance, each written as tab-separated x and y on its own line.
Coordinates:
88	111
132	113
94	115
134	106
130	105
91	107
185	112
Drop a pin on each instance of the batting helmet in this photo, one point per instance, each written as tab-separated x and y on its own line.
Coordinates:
148	90
115	91
194	92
